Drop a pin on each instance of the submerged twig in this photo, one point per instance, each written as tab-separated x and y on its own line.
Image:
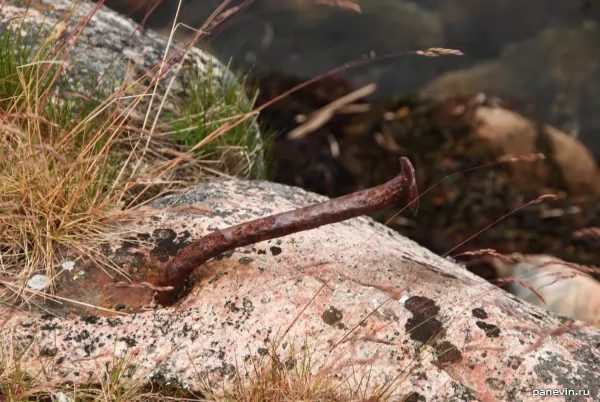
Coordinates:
338	209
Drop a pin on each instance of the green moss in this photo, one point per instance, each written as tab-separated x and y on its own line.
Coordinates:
212	103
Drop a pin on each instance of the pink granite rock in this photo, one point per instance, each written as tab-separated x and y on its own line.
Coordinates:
365	301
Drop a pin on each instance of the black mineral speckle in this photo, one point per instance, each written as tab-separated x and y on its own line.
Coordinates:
227	369
514	362
48	352
167	244
184	236
130	341
414	397
447	354
164	234
138	259
90	319
290	363
89	348
263	351
232	307
332	316
245	260
463	393
423	325
123	255
226	254
539	317
248	306
422	306
113	322
389	314
479	313
51	326
491	331
495	383
423	330
276	250
82	335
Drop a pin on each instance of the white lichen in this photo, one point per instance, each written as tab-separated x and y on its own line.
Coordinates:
39	282
68	265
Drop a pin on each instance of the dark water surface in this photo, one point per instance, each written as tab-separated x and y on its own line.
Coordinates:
542	56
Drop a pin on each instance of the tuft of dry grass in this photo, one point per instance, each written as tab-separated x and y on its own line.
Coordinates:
279	378
114	383
272	378
57	174
72	167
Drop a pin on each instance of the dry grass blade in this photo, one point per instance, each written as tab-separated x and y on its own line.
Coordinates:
538	200
525	284
588	233
439	51
565	328
533	157
345	4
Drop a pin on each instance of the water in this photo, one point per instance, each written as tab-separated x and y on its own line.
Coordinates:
542	56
